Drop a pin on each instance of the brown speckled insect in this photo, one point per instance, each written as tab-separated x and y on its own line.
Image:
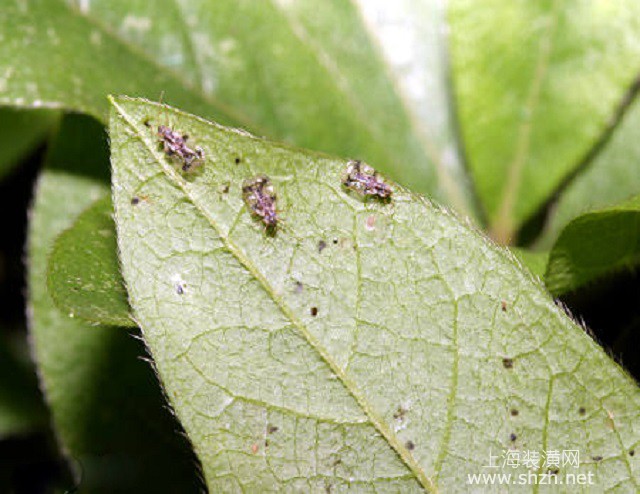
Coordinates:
174	145
260	197
364	180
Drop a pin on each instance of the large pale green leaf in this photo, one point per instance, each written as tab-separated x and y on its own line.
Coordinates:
613	177
107	409
593	245
19	132
363	345
537	83
306	72
83	275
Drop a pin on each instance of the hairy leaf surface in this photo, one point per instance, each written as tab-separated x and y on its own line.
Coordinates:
374	345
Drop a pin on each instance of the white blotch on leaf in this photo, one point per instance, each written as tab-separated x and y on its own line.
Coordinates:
135	23
83	5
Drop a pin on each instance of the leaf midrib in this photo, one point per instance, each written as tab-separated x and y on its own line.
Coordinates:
350	386
503	225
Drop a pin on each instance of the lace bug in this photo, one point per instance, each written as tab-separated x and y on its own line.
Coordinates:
175	146
260	197
364	180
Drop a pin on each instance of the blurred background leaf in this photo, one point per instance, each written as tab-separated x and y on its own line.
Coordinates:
537	85
108	410
593	245
611	178
21	407
20	132
310	73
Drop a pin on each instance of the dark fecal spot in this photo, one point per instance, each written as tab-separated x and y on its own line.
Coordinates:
271	429
237	160
266	443
135	200
553	471
596	458
503	304
410	446
314	311
512	437
582	410
632	452
400	413
147	122
322	245
298	288
225	189
514	412
507	363
335	241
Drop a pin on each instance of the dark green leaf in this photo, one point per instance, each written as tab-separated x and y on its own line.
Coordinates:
83	276
21	407
362	344
593	245
19	132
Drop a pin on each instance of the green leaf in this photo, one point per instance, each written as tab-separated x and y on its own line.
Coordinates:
537	84
107	408
83	276
21	407
20	131
360	345
612	178
306	72
593	245
535	261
